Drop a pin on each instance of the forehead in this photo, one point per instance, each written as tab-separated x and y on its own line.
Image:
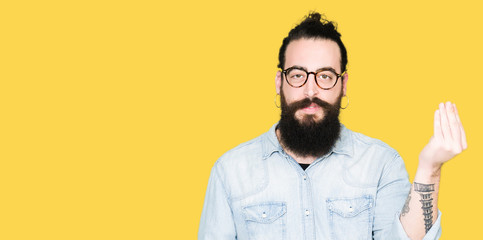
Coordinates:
313	54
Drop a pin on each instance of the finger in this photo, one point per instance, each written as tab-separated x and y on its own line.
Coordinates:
453	124
462	130
444	122
437	125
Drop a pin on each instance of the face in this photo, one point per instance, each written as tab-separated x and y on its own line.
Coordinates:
312	55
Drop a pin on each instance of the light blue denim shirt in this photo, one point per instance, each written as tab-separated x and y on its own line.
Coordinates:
258	192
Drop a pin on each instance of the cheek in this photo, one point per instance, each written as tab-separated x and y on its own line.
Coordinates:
331	96
292	94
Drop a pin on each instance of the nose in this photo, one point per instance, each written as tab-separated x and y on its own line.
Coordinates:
311	89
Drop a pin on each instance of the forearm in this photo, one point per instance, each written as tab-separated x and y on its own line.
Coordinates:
421	208
449	139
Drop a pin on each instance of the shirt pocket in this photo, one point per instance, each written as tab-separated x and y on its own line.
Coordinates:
350	218
266	220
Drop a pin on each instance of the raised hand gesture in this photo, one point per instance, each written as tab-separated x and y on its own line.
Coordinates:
448	140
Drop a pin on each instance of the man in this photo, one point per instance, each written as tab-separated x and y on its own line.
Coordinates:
309	177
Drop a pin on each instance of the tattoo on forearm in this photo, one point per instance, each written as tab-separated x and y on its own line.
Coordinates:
406	205
426	191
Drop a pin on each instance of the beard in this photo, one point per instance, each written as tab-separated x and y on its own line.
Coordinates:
309	136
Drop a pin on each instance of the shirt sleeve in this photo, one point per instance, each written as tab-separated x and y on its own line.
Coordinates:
392	192
399	233
216	218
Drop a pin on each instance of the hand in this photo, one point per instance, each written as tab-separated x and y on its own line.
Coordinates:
448	140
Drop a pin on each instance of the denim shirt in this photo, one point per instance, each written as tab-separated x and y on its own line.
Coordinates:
256	191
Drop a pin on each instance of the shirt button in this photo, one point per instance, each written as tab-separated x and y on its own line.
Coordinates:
305	177
351	209
264	215
307	212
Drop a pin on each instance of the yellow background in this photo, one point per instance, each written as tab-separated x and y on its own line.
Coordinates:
113	112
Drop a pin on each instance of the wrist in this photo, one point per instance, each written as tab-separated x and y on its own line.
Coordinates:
428	173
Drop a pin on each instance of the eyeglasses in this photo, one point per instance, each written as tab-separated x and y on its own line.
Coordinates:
324	78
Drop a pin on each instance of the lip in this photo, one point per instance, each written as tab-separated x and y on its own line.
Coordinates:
311	109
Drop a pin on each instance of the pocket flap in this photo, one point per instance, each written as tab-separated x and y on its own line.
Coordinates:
349	207
265	212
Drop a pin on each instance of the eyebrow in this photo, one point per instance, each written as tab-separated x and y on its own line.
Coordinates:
318	70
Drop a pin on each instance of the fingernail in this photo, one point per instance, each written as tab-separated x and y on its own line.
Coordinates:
450	107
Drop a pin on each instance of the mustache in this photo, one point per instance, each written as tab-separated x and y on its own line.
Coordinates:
307	102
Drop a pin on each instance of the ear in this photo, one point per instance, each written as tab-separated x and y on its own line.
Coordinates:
345	77
278	82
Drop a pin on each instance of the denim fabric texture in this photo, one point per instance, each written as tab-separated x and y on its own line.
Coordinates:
257	191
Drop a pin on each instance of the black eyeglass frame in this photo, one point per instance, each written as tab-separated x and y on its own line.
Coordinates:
315	76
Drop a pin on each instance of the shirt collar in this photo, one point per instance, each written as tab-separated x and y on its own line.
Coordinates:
271	143
343	145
